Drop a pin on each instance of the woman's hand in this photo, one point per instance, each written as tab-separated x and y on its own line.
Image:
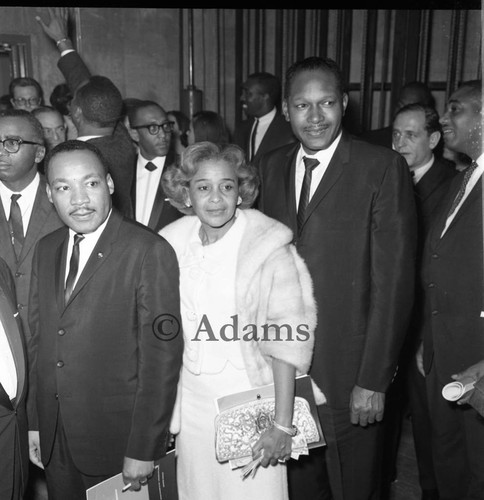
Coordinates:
275	445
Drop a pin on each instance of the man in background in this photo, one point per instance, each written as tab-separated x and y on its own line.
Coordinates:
412	92
416	135
96	109
453	282
151	129
266	128
26	93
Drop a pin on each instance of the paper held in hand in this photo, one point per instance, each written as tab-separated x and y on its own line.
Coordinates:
244	416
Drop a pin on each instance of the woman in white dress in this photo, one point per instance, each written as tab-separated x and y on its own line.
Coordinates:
238	268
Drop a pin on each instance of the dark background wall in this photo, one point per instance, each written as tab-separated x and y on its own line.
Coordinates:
157	53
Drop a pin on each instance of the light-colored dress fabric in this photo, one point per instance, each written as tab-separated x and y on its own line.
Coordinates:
207	289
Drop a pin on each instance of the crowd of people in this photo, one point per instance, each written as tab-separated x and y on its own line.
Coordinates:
132	237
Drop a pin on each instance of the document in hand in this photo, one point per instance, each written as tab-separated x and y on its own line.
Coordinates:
161	486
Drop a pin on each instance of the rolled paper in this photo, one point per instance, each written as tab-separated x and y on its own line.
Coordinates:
455	390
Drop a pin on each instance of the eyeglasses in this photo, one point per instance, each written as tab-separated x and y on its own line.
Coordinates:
33	101
154	128
13	145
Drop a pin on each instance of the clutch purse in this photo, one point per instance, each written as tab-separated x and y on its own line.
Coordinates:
239	427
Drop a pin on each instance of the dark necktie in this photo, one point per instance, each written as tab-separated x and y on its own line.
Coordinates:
73	267
150	166
252	139
15	225
310	164
462	188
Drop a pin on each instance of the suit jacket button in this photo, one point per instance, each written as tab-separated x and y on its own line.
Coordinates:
56	396
431	285
435	256
434	313
60	364
20	306
61	332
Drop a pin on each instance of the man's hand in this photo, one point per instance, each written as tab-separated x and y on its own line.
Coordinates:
474	372
137	472
419	359
56	26
34	448
366	407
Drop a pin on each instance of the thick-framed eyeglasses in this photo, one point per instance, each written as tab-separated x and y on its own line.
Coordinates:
154	128
13	145
33	101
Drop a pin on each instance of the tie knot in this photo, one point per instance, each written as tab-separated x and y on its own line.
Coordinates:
78	238
15	197
150	166
310	163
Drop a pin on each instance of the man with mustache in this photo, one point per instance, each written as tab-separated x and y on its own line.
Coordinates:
106	348
351	207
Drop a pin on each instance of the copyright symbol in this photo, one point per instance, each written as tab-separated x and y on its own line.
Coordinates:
166	327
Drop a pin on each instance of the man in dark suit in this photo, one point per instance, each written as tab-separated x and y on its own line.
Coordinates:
96	110
152	131
453	282
354	223
106	348
19	176
416	135
14	450
266	128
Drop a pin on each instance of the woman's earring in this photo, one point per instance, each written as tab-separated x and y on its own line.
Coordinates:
239	200
188	204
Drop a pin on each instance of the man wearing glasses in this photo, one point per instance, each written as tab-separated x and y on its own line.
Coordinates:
26	215
152	131
25	93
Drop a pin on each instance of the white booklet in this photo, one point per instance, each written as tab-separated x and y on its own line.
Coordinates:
161	486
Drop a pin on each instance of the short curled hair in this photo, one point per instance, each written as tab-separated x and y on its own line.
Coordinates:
35	125
74	145
176	178
314	63
100	101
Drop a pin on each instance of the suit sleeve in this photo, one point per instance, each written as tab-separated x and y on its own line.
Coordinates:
32	344
74	70
392	261
160	349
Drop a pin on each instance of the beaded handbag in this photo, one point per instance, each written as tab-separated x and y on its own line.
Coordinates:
238	428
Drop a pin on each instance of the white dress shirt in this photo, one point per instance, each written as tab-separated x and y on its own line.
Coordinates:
25	202
264	122
419	172
476	175
147	186
86	246
8	372
324	157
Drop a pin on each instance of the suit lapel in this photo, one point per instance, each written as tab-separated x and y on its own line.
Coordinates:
13	335
439	226
331	176
40	213
99	255
9	256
